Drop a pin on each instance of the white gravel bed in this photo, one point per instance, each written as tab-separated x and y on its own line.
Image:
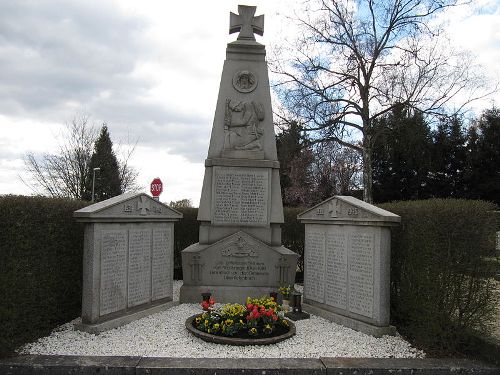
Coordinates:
164	335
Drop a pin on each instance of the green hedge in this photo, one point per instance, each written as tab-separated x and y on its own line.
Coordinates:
40	267
186	232
438	292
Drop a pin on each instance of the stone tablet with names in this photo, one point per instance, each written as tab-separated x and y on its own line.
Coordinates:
139	267
314	265
336	268
162	263
240	196
347	263
128	257
361	254
113	271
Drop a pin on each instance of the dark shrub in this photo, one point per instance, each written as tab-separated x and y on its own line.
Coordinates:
292	233
438	293
40	267
186	232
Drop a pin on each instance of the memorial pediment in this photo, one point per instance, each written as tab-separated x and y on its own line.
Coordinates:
131	206
239	245
346	208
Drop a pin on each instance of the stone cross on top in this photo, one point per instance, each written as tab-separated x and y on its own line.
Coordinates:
246	23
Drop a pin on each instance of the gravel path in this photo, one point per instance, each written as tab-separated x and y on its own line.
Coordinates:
164	335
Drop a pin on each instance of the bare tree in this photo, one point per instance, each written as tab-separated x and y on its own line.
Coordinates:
65	173
128	174
355	60
182	203
337	170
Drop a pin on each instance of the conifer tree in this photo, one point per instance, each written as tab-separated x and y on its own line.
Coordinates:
449	155
483	164
107	181
401	156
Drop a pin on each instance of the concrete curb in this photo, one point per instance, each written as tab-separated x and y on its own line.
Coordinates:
43	364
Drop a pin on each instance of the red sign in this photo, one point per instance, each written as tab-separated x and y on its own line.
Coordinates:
156	187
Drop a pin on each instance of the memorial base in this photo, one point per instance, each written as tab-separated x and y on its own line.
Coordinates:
357	325
234	268
224	294
299	315
118	321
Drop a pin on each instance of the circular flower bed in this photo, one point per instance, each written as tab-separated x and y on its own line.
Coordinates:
259	322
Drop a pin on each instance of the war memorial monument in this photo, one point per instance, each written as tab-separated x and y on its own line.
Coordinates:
239	252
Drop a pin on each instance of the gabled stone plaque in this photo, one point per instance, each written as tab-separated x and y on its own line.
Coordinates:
131	207
349	209
239	262
128	260
347	263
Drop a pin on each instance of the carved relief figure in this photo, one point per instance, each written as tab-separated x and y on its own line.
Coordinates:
242	125
244	81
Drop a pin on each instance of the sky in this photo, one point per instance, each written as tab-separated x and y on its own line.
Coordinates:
150	70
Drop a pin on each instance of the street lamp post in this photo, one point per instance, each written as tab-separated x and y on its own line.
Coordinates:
93	182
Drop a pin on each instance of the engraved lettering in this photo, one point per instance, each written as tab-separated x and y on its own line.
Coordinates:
162	263
139	267
113	271
336	269
314	287
240	197
361	264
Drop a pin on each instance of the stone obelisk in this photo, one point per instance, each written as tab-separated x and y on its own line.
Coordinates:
239	252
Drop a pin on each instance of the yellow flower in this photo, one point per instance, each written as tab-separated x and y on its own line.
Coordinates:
198	319
253	331
229	322
206	322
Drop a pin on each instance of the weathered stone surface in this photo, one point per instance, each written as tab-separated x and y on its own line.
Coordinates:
347	263
405	366
223	366
128	259
42	365
241	188
62	365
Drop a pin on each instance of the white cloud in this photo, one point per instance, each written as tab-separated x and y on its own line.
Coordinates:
150	69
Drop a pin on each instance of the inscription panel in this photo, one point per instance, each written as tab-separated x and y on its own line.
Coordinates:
336	268
229	270
361	263
113	271
139	267
314	263
162	263
240	196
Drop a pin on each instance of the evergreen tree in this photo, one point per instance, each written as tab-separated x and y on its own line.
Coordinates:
449	157
107	181
401	156
293	160
483	163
